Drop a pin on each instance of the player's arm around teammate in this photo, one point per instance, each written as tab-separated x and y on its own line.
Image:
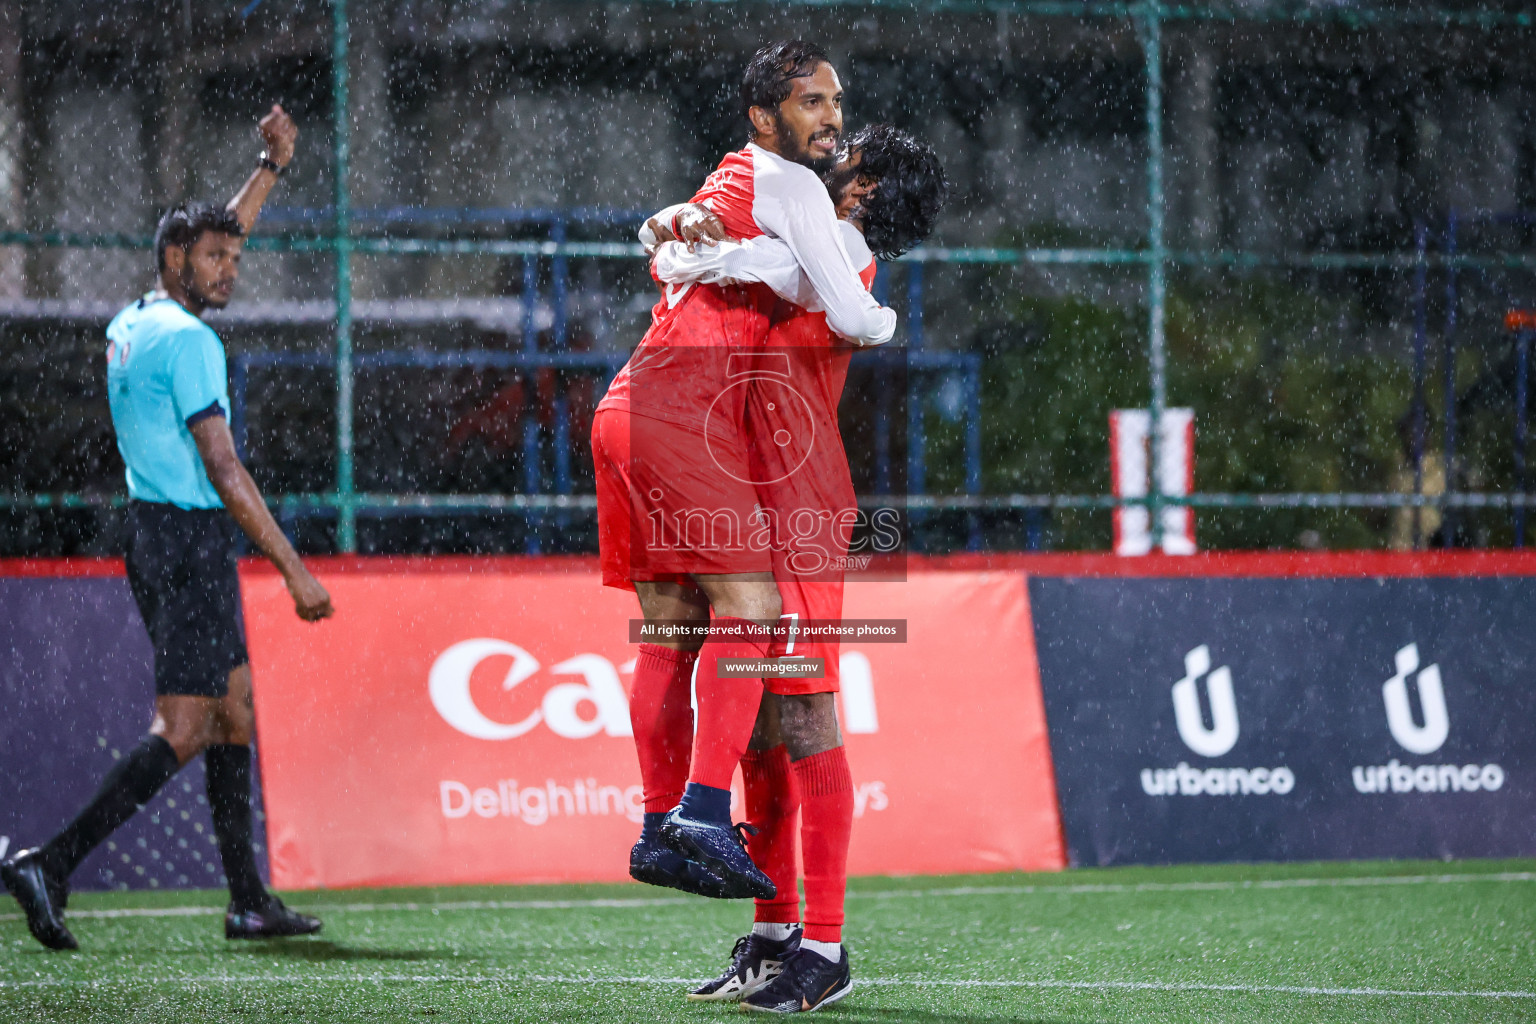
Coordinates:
168	391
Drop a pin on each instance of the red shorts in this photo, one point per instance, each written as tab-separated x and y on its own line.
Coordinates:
653	477
814	600
807	506
670	503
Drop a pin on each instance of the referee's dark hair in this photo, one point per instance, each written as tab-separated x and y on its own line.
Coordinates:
184	223
769	73
912	188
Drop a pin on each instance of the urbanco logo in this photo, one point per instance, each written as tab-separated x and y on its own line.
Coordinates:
1415	738
1394	777
1222	734
1213	741
448	686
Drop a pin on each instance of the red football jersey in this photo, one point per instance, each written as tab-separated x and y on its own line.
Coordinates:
730	192
681	369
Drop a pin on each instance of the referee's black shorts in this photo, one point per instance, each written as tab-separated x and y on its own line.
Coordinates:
181	568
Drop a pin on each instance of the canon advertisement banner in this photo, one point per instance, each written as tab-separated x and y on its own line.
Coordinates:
78	687
1268	719
472	726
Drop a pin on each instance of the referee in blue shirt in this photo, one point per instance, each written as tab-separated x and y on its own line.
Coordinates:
188	492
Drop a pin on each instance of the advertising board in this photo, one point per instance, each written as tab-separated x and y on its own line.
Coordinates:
1206	719
77	684
473	727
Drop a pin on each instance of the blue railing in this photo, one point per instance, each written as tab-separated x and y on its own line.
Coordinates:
924	374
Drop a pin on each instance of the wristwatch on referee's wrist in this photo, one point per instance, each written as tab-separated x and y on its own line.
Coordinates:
266	163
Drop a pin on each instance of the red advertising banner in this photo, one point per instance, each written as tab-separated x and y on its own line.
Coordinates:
469	723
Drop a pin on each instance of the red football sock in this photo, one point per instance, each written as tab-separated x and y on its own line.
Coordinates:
826	813
773	803
727	707
661	716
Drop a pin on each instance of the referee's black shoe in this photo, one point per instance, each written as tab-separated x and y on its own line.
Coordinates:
271	920
41	896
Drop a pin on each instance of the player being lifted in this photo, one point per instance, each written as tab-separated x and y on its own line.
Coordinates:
670	453
888	189
168	391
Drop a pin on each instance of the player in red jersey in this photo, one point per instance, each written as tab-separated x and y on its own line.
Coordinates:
888	188
674	489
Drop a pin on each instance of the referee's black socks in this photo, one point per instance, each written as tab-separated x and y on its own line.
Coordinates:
131	784
228	771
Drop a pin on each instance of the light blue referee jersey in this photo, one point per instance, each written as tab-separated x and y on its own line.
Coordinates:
165	371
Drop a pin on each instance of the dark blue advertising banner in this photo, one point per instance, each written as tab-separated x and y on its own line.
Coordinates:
1217	719
77	686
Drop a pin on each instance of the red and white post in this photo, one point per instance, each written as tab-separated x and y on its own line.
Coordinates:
1129	435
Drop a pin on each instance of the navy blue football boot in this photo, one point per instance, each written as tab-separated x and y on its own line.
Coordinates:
809	981
655	863
755	961
700	829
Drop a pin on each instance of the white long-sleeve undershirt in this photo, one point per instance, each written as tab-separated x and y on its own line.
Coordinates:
791	204
765	260
647	236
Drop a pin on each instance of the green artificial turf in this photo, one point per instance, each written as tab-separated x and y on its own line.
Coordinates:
1299	942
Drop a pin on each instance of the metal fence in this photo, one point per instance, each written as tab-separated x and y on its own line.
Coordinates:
344	233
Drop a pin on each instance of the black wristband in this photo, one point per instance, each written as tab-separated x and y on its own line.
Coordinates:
266	163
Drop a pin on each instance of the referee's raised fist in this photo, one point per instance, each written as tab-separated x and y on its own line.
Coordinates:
278	134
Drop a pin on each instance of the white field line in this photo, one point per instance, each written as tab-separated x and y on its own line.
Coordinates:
1234	886
889	894
561	979
363	908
